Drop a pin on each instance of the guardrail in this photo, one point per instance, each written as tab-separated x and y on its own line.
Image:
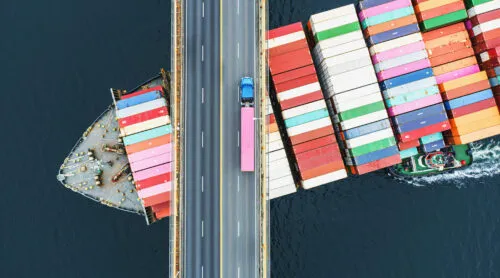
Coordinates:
264	270
176	104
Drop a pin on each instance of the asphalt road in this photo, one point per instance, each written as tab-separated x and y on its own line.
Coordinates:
239	199
203	142
202	139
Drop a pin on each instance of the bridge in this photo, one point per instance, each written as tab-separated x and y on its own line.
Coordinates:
219	224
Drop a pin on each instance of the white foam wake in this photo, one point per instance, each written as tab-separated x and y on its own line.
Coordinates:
486	155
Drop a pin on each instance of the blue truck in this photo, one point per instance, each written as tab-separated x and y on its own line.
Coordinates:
246	91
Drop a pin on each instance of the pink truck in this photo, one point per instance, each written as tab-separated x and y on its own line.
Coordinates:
247	144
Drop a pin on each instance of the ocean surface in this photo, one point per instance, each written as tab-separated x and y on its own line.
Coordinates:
57	61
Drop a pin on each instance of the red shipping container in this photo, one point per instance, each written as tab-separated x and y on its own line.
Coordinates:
163	213
408	145
284	30
317	161
306	136
301	100
421	132
156	199
490	35
450	57
471	108
160	207
299	82
322	170
163	178
293	74
318	152
313	144
376	165
291	60
485	45
466	90
441	10
289	47
141	92
144	116
444	31
484	17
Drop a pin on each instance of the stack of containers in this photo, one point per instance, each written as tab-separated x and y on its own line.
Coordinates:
434	14
309	130
484	29
351	89
465	89
403	69
280	176
145	128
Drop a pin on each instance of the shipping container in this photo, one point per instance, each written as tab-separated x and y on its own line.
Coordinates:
408	153
324	179
393	34
398	52
386	16
384	8
147	135
136	100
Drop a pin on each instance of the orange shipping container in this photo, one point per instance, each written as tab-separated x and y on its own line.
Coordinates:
473	136
390	25
322	170
455	65
466	90
462	81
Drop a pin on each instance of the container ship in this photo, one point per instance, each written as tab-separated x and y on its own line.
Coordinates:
399	85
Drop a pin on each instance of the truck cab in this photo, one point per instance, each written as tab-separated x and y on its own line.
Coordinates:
246	91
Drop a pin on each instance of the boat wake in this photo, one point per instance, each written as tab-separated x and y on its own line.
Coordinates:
486	155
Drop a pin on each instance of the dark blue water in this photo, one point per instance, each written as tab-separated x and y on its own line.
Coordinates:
57	61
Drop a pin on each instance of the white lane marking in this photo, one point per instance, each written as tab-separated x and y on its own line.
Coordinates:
203	9
238	8
238	228
202	138
202	184
238	50
238	272
238	183
202	51
202	95
202	234
238	138
201	271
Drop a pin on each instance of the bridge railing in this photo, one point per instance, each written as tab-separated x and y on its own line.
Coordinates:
176	104
264	269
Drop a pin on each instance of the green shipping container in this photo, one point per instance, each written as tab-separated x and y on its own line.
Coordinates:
373	146
337	31
443	20
362	110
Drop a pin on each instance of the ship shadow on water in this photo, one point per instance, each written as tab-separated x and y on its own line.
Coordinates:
486	154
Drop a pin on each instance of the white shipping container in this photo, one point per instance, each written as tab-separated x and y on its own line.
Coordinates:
363	120
299	91
484	56
274	136
401	60
485	27
324	179
357	93
278	169
348	66
357	54
286	39
352	79
306	108
282	191
334	23
339	40
484	8
388	45
410	87
344	10
280	182
276	155
276	145
310	126
369	138
357	102
322	54
140	108
146	125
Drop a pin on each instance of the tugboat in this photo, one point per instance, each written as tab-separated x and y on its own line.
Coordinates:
425	164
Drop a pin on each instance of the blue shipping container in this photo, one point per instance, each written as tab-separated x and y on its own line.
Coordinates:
124	103
366	129
433	146
373	156
307	117
431	138
421	123
393	34
363	5
418	114
468	99
406	78
388	16
409	152
409	97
